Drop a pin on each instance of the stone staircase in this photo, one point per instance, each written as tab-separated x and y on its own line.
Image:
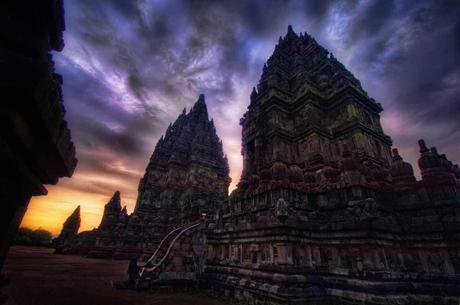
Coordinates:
152	269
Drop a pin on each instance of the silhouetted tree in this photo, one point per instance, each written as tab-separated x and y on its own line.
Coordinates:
31	237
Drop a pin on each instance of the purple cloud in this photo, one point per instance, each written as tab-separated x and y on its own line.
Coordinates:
130	67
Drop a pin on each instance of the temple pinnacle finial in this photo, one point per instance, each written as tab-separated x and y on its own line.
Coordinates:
396	155
290	33
200	109
253	95
200	102
115	200
76	212
422	145
73	219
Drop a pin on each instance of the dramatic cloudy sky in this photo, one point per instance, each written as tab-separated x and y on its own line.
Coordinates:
130	67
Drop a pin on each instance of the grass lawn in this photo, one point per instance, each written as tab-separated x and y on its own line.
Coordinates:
39	277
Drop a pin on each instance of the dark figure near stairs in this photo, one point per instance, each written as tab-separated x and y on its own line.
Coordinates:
133	272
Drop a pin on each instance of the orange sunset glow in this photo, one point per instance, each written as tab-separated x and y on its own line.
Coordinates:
49	212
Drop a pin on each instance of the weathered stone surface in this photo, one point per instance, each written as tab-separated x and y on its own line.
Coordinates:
187	175
35	142
323	211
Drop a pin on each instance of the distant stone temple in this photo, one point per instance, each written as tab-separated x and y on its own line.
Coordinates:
325	211
69	230
36	148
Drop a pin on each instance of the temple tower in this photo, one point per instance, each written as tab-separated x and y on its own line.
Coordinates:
69	230
112	213
323	209
187	175
307	110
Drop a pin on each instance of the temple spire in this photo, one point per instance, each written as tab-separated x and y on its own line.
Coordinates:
396	156
253	95
76	212
291	33
200	109
193	144
74	218
111	212
115	201
69	230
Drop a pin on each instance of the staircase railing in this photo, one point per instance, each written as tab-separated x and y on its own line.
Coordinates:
161	244
182	231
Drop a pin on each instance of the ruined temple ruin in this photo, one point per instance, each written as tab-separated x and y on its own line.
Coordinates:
325	211
69	230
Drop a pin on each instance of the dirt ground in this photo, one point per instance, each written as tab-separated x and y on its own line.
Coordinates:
39	277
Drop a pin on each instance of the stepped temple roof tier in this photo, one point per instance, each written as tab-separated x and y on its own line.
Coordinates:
308	114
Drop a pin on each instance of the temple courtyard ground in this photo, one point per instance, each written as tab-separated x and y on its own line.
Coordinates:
39	277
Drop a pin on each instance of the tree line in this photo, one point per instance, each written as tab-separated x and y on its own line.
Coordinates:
29	237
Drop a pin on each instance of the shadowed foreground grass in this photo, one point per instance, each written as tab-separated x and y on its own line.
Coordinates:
39	277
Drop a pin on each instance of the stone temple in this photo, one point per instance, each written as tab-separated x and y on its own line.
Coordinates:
325	212
69	230
187	175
